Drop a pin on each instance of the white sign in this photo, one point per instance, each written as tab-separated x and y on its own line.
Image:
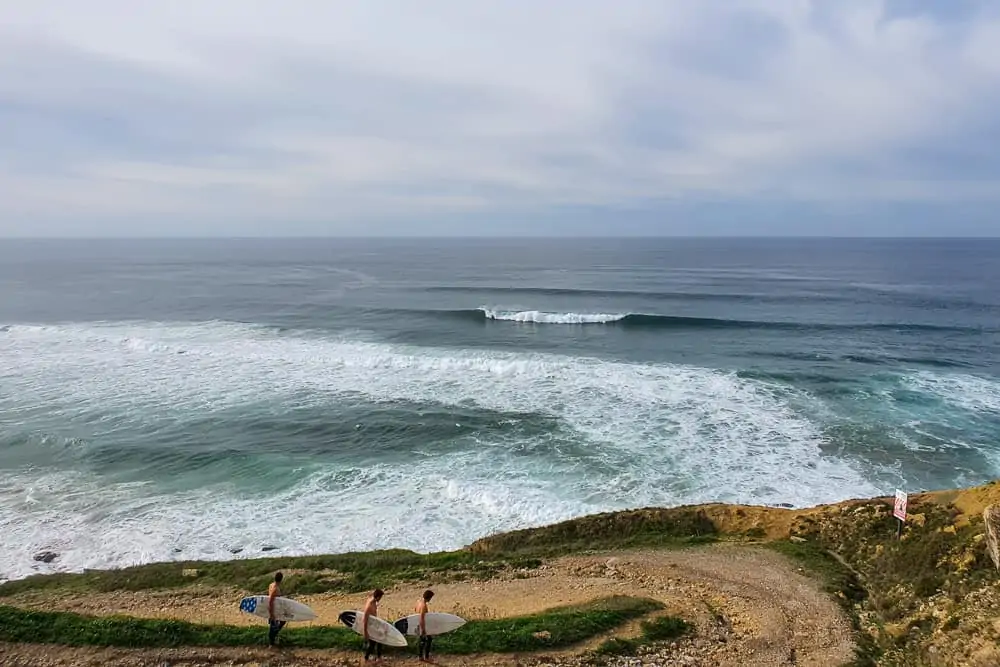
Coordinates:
899	509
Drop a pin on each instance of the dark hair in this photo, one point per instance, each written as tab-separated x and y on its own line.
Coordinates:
378	593
428	594
278	576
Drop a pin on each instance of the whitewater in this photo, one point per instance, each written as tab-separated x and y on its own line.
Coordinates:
289	403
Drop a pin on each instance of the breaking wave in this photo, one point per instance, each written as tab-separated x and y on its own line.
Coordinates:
643	320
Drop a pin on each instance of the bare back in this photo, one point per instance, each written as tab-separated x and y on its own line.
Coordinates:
371	607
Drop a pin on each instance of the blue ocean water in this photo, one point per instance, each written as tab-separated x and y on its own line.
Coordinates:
188	399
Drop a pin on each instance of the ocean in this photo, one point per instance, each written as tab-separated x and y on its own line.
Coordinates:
210	399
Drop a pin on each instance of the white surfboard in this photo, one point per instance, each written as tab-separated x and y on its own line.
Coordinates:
437	622
379	630
285	609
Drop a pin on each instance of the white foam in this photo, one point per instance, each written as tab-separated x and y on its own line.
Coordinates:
969	392
540	317
643	435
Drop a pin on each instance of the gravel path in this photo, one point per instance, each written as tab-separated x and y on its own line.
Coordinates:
750	607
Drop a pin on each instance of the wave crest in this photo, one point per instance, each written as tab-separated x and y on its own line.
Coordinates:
642	320
541	317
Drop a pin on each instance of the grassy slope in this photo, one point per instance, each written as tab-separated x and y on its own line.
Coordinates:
910	590
556	628
935	586
348	573
354	572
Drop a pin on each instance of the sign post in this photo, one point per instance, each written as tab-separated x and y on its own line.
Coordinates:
899	511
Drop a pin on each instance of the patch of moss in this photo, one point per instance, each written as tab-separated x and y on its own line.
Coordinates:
664	628
661	629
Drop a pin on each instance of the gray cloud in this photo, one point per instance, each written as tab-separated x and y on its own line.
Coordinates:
308	117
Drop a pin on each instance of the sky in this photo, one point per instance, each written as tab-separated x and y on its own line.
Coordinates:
552	117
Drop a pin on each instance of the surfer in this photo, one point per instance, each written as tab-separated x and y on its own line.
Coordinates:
371	609
425	639
274	626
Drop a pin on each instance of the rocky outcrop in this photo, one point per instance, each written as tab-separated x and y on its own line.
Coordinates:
45	556
991	518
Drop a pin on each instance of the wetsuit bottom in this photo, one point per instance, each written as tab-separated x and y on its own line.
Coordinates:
373	645
274	628
425	647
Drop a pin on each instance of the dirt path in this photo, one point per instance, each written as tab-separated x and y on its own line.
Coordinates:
750	606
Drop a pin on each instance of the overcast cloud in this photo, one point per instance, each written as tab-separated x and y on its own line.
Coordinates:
296	117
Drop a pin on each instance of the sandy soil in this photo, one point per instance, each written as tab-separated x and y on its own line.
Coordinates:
750	607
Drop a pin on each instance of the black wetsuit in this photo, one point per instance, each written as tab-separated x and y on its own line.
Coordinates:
425	646
272	633
274	626
373	645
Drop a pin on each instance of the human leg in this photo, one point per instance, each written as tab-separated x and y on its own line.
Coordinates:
373	646
425	647
273	628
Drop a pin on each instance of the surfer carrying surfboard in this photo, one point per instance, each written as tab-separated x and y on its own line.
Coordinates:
371	609
274	625
425	639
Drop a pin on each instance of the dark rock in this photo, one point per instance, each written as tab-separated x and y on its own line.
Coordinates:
268	547
177	550
46	556
236	550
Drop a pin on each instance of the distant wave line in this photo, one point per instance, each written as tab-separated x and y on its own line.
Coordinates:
851	294
626	293
654	321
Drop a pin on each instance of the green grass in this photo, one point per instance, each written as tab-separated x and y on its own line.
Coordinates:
661	629
664	628
676	527
564	626
355	572
347	573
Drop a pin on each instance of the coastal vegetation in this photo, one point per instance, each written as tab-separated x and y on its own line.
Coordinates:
928	593
552	629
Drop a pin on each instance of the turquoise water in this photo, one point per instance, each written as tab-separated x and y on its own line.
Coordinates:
188	399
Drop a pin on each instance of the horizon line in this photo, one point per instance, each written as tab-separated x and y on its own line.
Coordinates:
497	237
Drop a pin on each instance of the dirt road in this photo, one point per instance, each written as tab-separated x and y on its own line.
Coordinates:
750	607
